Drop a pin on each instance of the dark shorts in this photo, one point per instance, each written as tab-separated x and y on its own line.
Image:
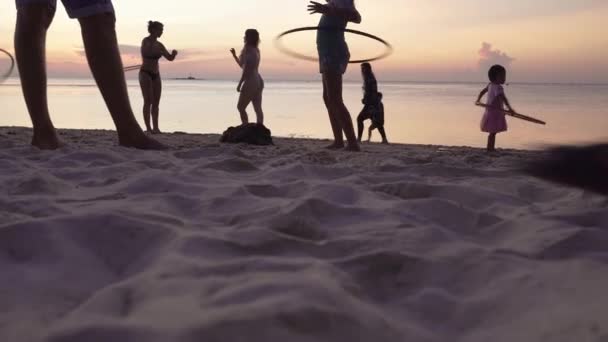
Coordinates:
75	8
333	58
333	63
371	112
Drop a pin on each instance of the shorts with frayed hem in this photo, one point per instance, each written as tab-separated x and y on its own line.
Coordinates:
75	8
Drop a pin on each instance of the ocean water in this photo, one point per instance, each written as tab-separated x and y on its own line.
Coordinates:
419	113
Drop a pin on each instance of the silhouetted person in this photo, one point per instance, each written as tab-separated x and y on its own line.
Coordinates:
251	84
333	61
494	120
373	108
97	22
149	75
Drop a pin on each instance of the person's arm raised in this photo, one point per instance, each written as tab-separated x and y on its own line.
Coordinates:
236	58
350	14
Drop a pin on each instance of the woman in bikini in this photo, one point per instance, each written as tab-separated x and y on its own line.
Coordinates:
149	76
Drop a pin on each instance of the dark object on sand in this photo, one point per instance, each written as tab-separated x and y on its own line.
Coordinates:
583	167
252	133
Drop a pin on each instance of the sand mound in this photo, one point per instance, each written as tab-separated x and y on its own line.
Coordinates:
212	242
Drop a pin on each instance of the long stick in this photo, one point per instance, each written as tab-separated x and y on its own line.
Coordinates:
515	115
131	68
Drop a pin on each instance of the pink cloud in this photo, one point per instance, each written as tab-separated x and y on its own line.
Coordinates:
489	56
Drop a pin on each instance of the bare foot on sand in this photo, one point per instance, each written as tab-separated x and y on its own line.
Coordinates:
335	146
140	141
47	141
352	148
156	131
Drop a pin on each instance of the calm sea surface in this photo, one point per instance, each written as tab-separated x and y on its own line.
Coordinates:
421	113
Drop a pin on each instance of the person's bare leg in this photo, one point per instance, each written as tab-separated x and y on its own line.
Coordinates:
145	83
335	124
244	100
360	124
30	41
491	142
257	106
157	88
369	133
383	134
334	93
101	46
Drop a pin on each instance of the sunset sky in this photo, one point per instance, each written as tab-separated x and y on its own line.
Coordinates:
434	40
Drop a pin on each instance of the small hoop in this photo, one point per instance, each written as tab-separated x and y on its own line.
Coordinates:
283	49
12	67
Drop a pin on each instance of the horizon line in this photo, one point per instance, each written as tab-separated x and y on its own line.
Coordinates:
270	79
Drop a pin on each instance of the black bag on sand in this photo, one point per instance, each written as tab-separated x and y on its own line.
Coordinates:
252	133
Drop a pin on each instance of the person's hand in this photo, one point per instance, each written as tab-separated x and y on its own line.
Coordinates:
315	7
233	51
238	88
174	53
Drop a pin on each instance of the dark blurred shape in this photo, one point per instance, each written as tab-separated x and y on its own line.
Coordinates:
584	167
252	133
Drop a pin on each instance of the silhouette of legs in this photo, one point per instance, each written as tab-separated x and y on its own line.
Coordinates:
491	142
157	89
339	116
335	125
101	46
383	134
257	106
251	93
364	115
103	56
30	41
244	100
147	90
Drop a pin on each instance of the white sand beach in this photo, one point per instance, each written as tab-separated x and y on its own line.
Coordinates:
223	243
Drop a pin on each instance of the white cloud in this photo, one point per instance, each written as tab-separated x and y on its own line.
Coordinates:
489	56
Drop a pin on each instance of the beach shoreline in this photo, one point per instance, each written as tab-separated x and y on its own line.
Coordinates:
23	134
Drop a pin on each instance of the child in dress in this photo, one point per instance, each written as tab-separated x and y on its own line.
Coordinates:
494	120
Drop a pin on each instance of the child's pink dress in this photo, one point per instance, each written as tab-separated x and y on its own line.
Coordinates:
494	120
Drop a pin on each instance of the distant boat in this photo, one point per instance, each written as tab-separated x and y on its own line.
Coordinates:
189	78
